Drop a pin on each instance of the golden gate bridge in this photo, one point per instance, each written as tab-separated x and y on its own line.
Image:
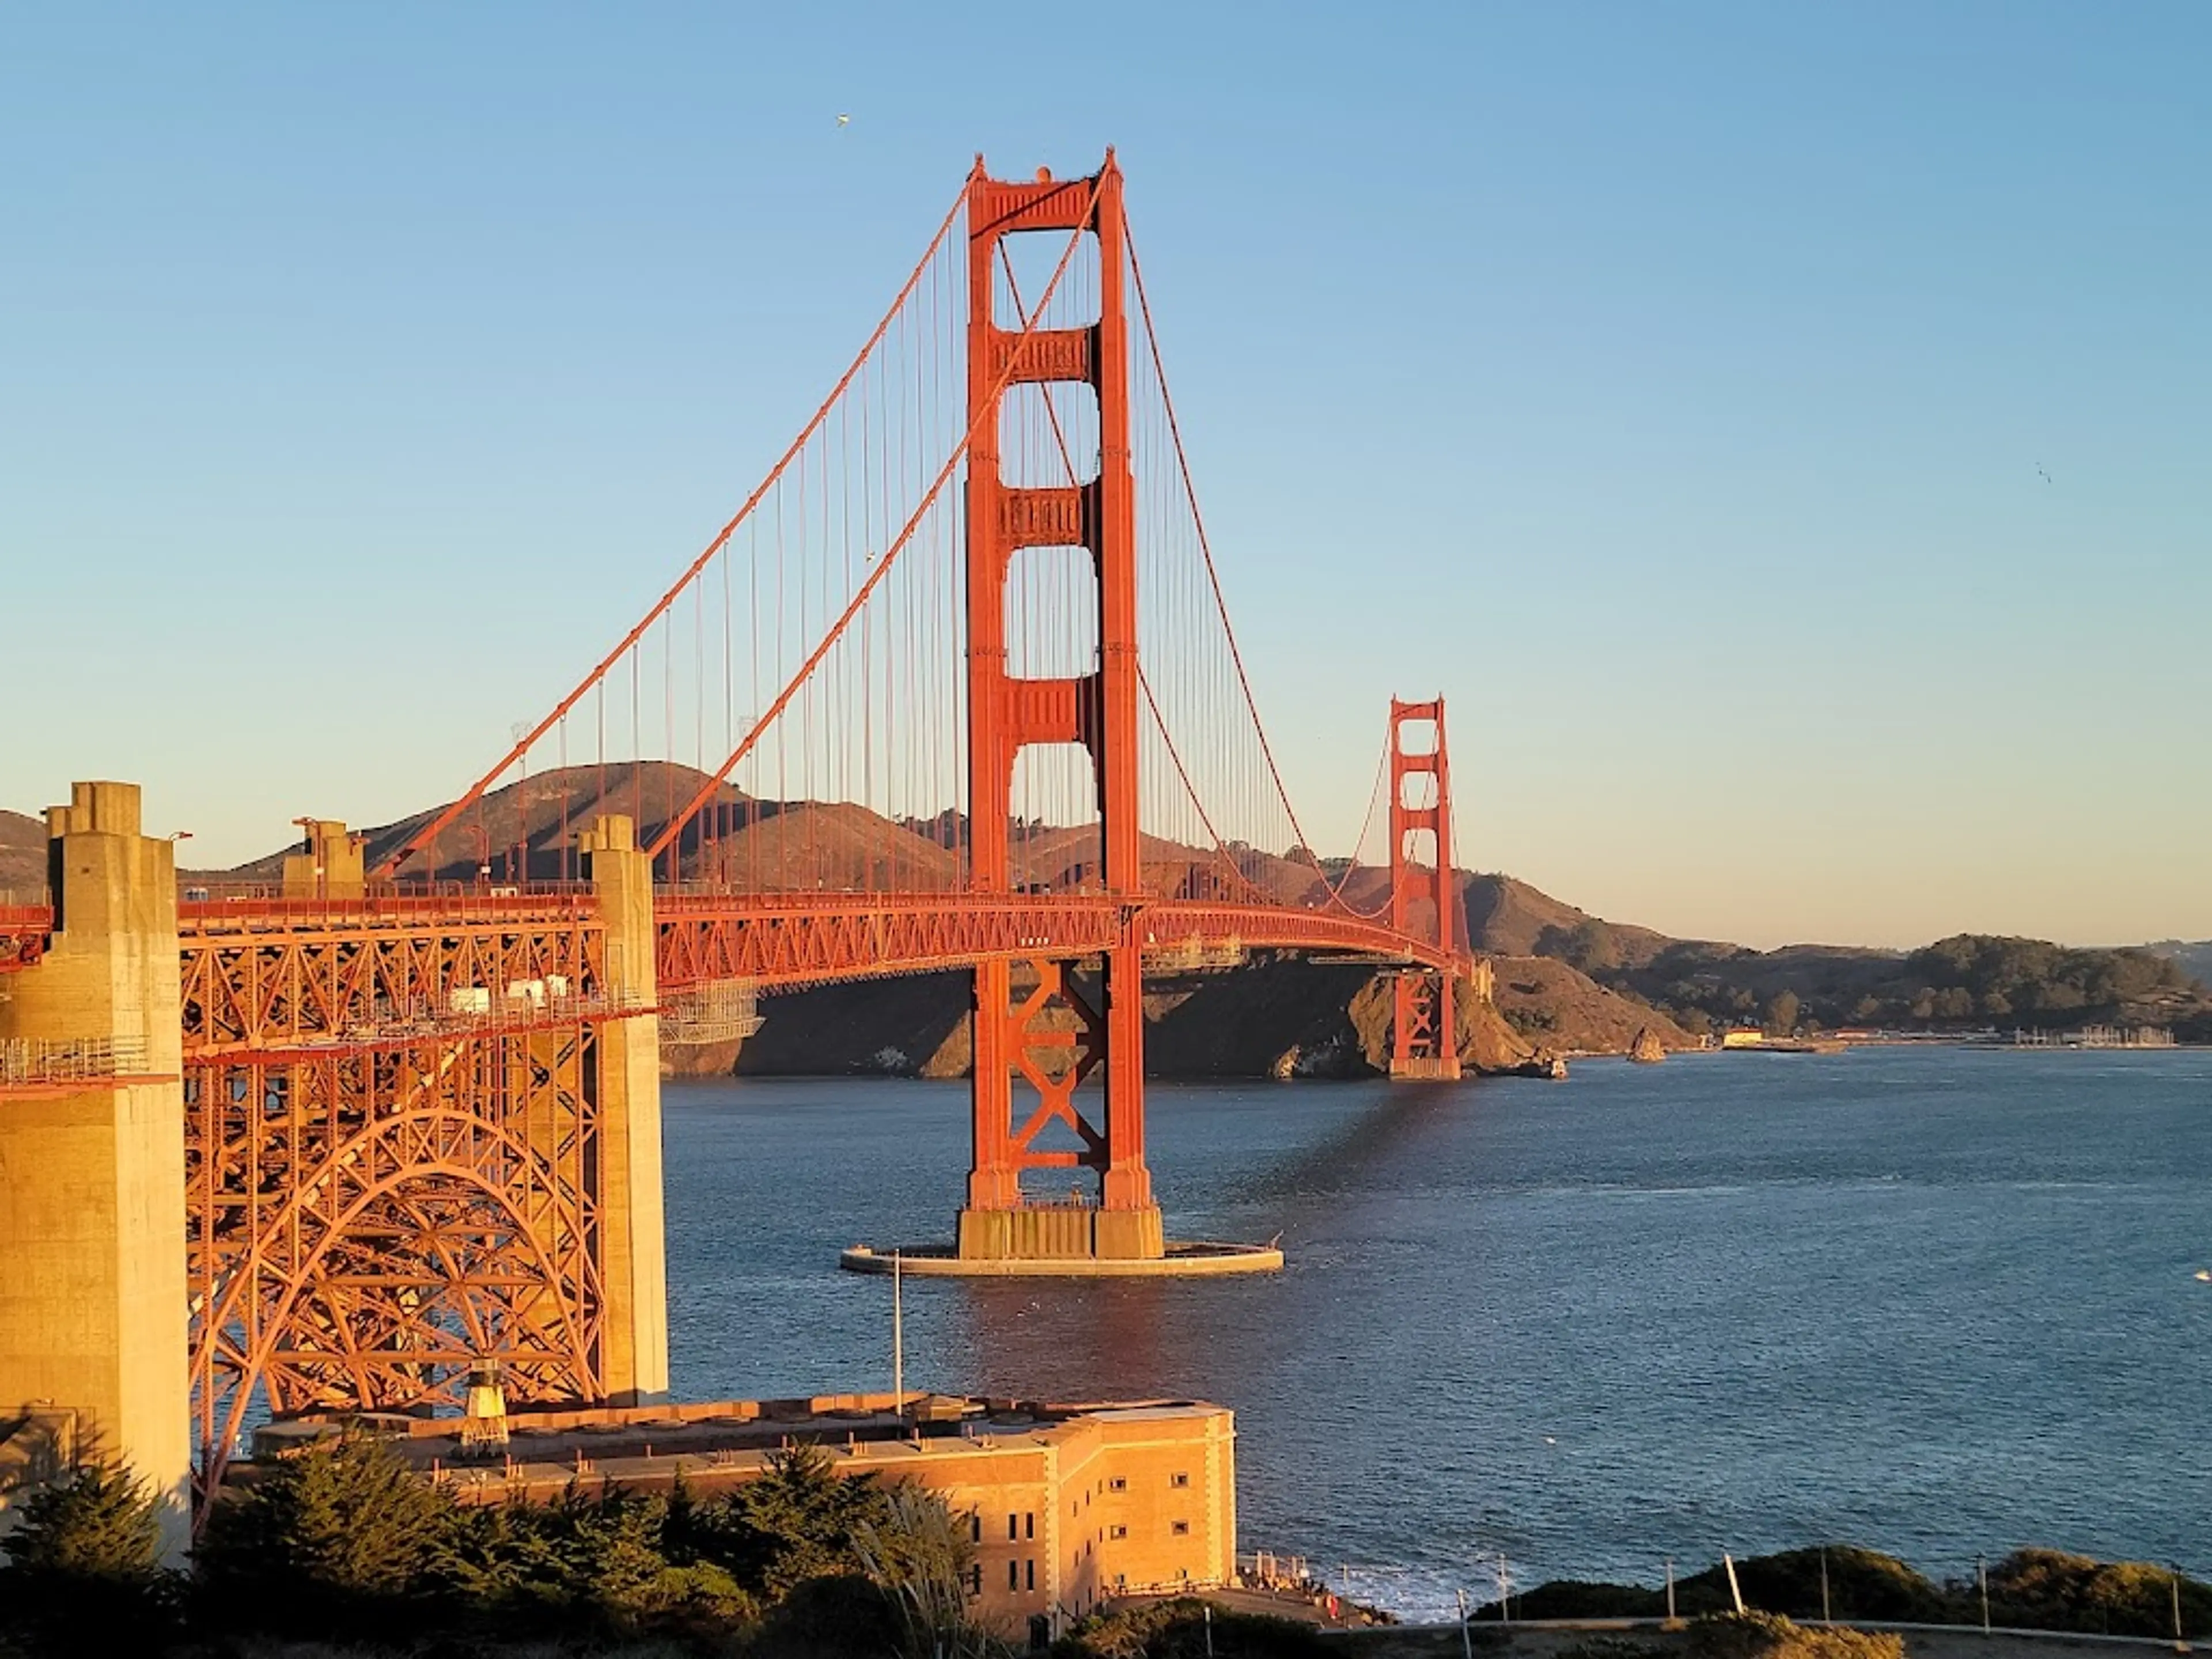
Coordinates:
956	688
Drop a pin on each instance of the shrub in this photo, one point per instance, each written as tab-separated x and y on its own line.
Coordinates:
1771	1636
83	1569
1862	1584
1178	1630
2051	1590
830	1617
1577	1598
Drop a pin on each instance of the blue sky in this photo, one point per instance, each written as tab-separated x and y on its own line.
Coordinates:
1666	385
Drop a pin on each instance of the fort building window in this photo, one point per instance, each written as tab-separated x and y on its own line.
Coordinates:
1012	1531
1013	1575
1119	1483
1179	1479
1118	1532
1029	1524
1180	1528
1029	1573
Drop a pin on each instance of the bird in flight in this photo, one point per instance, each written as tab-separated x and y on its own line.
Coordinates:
2040	473
844	120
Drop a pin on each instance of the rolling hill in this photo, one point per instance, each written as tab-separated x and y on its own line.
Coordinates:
1566	981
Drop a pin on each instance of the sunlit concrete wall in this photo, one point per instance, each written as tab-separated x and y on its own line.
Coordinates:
93	1318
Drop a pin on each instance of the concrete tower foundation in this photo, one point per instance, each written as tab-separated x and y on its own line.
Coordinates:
92	1319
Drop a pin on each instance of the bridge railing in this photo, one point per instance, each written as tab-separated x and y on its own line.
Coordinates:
256	906
31	1061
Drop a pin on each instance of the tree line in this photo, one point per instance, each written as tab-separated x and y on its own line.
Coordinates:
344	1538
1968	980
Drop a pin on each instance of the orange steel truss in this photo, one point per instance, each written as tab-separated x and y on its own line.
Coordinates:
783	940
1099	710
391	1106
392	1148
24	931
1054	1060
261	971
1424	893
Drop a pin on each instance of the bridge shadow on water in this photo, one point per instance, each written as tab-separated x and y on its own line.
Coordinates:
1316	1165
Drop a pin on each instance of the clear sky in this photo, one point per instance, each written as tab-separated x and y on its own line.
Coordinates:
1671	386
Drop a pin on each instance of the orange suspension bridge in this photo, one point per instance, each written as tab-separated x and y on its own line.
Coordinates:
956	688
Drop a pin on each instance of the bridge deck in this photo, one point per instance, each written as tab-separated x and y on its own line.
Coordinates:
778	940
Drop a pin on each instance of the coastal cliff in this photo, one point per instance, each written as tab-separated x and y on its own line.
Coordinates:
1274	1015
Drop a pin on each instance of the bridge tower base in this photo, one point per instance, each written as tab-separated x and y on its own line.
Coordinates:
1424	890
93	1363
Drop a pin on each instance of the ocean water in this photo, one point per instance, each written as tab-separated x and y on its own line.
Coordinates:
1936	1301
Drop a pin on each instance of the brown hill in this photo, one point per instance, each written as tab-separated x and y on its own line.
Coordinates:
1509	918
22	857
526	830
1554	1007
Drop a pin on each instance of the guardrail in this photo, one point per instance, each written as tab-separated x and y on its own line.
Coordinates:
40	1061
203	909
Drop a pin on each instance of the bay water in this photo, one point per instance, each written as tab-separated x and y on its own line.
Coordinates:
1936	1301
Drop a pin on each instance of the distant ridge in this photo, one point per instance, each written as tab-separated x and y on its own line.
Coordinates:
1567	980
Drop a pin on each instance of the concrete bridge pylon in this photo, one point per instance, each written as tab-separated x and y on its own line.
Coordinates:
93	1311
633	1252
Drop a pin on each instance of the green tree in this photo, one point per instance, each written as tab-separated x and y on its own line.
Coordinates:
1782	1012
83	1569
795	1522
103	1525
343	1531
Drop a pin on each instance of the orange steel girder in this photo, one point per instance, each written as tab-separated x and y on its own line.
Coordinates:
380	1194
783	940
1424	896
1055	1058
25	929
1099	710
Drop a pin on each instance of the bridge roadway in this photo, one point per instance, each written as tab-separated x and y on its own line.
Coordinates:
263	972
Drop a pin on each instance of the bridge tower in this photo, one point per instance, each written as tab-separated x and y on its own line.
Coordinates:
1424	892
1031	1034
93	1345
